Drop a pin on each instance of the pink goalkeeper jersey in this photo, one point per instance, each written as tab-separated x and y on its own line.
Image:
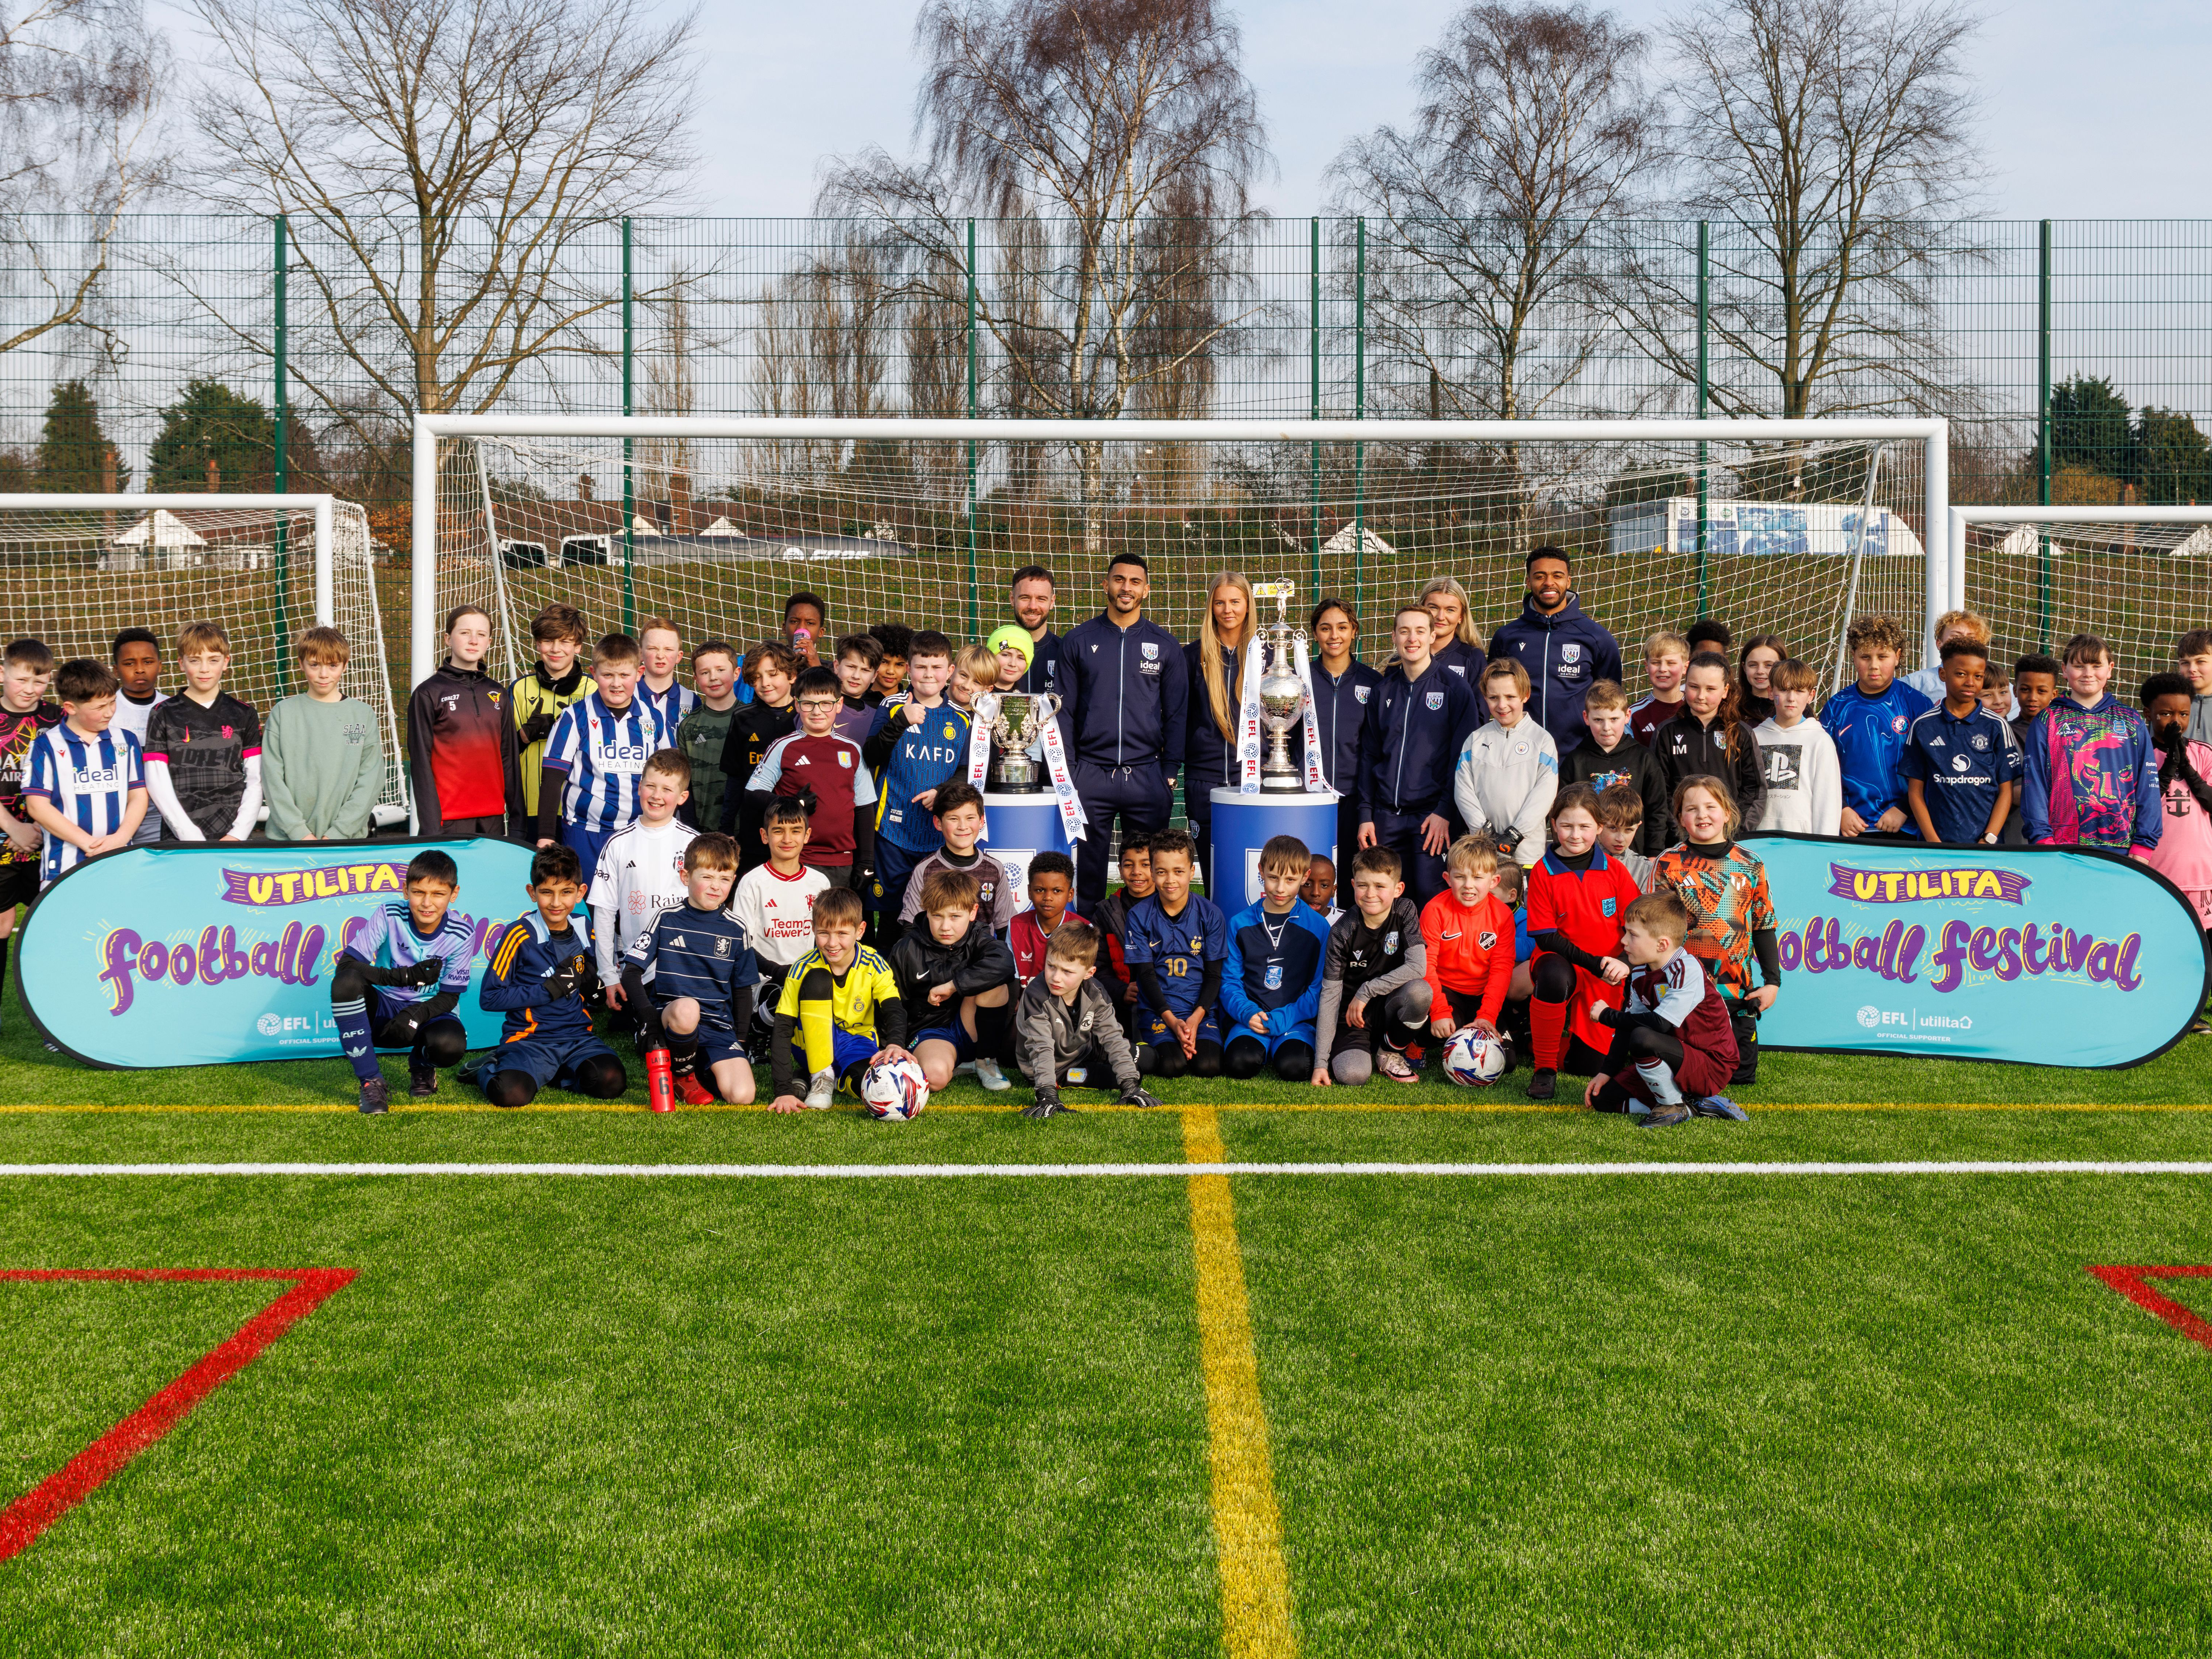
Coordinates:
2184	853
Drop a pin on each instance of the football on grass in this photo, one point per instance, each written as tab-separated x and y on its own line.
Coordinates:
1474	1059
894	1090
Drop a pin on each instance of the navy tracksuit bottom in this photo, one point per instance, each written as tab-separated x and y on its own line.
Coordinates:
1422	869
1137	795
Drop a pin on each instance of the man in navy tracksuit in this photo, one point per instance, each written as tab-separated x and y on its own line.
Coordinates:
1034	594
1127	692
1564	652
1417	719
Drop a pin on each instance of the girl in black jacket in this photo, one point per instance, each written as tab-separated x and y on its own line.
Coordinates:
1710	736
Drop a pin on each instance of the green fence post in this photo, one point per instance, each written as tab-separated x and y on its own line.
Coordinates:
2043	414
280	475
1704	388
629	475
1358	413
974	400
1314	358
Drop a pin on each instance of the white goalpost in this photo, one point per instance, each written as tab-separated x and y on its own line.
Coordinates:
1775	527
2135	576
83	566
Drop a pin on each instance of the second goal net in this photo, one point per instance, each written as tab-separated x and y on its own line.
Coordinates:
1782	528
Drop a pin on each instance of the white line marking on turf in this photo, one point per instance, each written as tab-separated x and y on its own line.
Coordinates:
1078	1171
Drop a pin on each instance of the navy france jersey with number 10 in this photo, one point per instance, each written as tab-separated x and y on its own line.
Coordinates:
701	954
923	757
1178	947
603	752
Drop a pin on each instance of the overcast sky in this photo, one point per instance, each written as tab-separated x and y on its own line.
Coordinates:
2089	110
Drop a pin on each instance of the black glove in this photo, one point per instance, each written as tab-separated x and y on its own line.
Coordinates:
428	971
586	972
402	1028
1139	1096
538	727
1047	1104
560	983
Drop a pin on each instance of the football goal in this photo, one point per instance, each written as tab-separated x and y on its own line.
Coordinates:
2135	576
1774	526
81	568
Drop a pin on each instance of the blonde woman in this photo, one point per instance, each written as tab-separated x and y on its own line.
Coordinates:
1458	646
1216	663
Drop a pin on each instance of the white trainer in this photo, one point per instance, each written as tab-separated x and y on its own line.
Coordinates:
821	1090
990	1075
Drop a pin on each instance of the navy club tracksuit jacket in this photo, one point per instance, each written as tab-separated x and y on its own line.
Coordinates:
1564	655
1043	672
1127	692
1411	741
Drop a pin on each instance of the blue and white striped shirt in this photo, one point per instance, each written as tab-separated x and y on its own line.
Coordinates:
89	781
673	704
390	930
603	752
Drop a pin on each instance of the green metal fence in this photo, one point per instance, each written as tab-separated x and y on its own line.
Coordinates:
1982	322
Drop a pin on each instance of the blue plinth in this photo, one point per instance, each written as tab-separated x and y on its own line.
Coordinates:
1243	823
1016	828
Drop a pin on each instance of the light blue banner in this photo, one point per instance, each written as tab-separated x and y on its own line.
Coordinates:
204	956
2041	955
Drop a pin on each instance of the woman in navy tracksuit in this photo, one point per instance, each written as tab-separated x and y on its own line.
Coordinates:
1342	687
1214	662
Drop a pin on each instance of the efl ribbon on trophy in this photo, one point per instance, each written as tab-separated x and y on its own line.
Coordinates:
1248	716
1072	814
1316	777
979	738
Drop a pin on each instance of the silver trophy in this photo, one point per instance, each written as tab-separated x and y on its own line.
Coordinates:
1014	720
1282	693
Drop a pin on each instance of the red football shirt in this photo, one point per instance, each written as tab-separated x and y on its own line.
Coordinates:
1587	905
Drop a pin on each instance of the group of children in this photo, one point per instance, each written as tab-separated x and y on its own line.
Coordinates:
818	814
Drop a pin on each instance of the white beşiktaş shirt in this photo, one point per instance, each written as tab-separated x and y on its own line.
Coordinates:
1804	779
777	911
640	874
1506	779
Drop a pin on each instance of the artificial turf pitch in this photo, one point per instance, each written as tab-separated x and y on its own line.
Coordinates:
998	1413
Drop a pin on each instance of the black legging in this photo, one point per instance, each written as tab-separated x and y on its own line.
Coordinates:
601	1076
1553	977
1247	1056
1167	1060
441	1041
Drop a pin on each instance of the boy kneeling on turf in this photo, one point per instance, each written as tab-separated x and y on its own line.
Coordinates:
1068	1028
1271	986
389	1003
700	998
957	980
835	999
1373	975
540	977
1673	1049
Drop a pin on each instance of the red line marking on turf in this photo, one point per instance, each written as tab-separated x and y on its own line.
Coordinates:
23	1520
2129	1282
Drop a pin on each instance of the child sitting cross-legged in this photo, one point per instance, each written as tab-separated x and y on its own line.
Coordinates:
1068	1030
1175	943
1372	977
699	998
398	980
1468	932
836	1000
1271	985
1672	1048
957	980
540	976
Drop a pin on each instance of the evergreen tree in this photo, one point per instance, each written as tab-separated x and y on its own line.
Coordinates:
211	423
72	447
2173	462
2090	426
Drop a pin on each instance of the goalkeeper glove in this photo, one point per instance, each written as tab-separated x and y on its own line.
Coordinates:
1047	1104
537	728
1139	1096
402	1028
428	971
587	977
560	983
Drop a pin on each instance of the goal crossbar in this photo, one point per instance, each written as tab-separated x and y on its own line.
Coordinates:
1931	437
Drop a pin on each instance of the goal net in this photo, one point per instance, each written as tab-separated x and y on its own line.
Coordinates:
81	568
2135	576
1772	528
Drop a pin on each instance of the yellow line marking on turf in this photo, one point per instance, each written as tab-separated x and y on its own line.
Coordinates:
1248	1527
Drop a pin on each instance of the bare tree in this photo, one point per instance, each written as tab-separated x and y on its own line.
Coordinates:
1485	282
1831	141
1079	125
452	171
79	81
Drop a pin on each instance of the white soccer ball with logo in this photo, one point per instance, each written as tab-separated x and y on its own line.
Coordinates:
894	1090
1475	1060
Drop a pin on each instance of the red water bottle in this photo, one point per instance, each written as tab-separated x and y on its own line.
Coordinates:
659	1081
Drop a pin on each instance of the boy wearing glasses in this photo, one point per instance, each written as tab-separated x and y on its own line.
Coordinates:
814	760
